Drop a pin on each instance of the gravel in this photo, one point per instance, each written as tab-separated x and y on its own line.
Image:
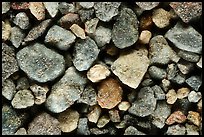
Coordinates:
22	20
5	7
52	8
188	56
147	5
17	36
132	131
86	14
158	92
6	30
157	73
194	96
69	19
176	130
22	83
94	114
194	82
37	9
78	31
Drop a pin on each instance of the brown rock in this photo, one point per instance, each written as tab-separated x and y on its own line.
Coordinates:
37	9
194	117
146	22
171	96
176	117
182	93
78	31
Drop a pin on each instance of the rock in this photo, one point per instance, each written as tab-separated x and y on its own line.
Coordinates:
83	128
20	5
132	131
176	117
194	96
85	53
147	5
188	56
8	89
161	18
86	5
144	104
191	129
37	9
17	36
157	73
98	131
166	85
22	83
52	8
78	31
176	130
9	63
44	124
22	20
66	91
145	36
131	67
40	92
21	131
6	30
86	14
90	26
105	11
158	92
40	63
146	22
182	92
185	67
199	105
68	60
109	93
59	37
194	117
120	125
98	72
171	96
160	52
65	7
114	115
112	50
125	29
187	11
38	30
199	63
23	99
185	38
68	120
124	105
5	7
183	105
94	114
194	82
103	120
147	82
162	111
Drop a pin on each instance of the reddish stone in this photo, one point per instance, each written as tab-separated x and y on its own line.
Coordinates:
177	116
20	5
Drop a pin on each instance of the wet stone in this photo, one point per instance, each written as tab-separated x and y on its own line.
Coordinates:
22	20
17	36
83	128
157	73
182	92
158	92
52	8
86	5
94	114
22	83
103	120
6	30
86	14
188	56
40	63
147	5
194	82
132	131
194	96
176	117
8	89
176	130
5	7
37	9
194	117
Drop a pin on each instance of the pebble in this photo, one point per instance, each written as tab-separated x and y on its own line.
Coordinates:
5	7
68	120
131	67
182	93
112	50
194	117
145	37
105	11
86	5
158	92
102	36
60	37
85	53
8	89
44	124
49	66
133	131
21	131
98	131
90	26
147	82
22	83
183	105
109	93
166	85
98	72
78	31
162	111
194	96
171	96
6	30
188	56
37	9
114	115
94	114
199	105
9	62
40	92
125	29
23	99
161	18
199	63
124	105
83	128
146	22
20	5
191	129
38	30
176	117
147	5
157	73
65	7
86	14
103	120
187	11
194	82
17	36
176	130
144	104
52	8
22	20
160	52
185	67
66	91
185	38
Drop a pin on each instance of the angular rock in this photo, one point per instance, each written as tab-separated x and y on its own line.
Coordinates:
85	53
20	5
145	36
176	117
191	129
6	30
22	20
65	7
161	18
171	96
185	38
90	26
158	92
94	114
17	36
52	8
66	91
166	85
22	83
124	105
194	96
86	5
114	115
157	73
176	130
103	121
125	29
194	117
40	63
132	131
21	131
194	82
37	9
185	67
182	92
83	128
86	14
5	7
147	5
188	56
8	89
78	31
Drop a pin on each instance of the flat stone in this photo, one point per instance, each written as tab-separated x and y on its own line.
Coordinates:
78	31
188	56
185	38
125	29
6	30
8	89
199	63
40	63
157	73
114	115
103	120
194	96
83	128
176	117
68	120
133	131
90	26
194	82
94	114
194	117
44	124
66	91
158	92
22	20
5	7
176	130
60	37
171	96
124	105
17	36
147	5
22	83
145	36
182	92
52	8
85	53
37	9
86	14
21	131
185	67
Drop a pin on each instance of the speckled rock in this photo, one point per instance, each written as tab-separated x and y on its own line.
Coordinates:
158	92
98	131
21	131
8	89
188	56
67	20
17	36
103	121
157	73
94	114
6	30
66	7
176	130
194	96
86	5
132	131
52	8
37	9
114	115
90	26
5	7
22	83
147	5
194	117
194	82
22	20
20	5
191	129
176	117
171	96
182	92
86	14
165	84
185	67
83	128
78	31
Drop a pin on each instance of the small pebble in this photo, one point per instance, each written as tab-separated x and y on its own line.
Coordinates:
5	7
158	92
147	5
90	26
145	37
52	8
8	89
132	131
21	131
191	129
17	36
188	56
114	115
22	20
157	73
78	31
194	96
182	93
6	30
86	14
199	63
194	117
166	85
94	114
185	67
124	105
83	128
171	96
194	82
176	130
20	5
22	83
66	7
103	120
37	9
176	117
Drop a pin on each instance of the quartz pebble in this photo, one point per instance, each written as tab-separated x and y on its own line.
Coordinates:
78	31
194	82
21	131
22	20
52	8
176	130
6	30
147	5
145	36
194	117
176	117
8	89
132	131
124	105
94	114
5	7
103	120
37	9
194	96
17	36
182	93
83	128
114	115
171	96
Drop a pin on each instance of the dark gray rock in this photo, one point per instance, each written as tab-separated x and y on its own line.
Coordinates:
40	63
158	92
194	82
8	89
85	53
17	36
22	83
147	5
133	131
157	73
125	29
83	128
22	20
5	7
86	14
147	82
188	56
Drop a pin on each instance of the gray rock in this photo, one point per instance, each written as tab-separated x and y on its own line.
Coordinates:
144	104
176	130
83	128
22	83
199	63
86	5
5	7
179	78
60	37
22	20
166	85
194	82
98	131
105	11
125	29
44	124
85	53
65	7
17	36
52	8
158	92
189	56
185	38
185	67
147	5
40	63
133	131
8	89
66	91
157	73
86	14
68	60
194	96
90	26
